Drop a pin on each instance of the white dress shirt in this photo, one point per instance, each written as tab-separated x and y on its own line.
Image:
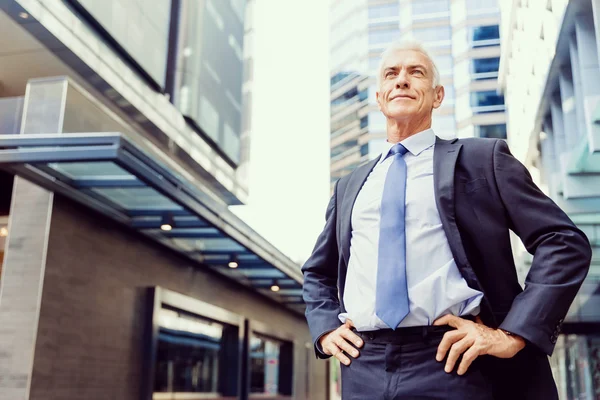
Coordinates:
435	286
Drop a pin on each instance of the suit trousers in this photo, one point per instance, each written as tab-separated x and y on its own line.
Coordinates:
401	365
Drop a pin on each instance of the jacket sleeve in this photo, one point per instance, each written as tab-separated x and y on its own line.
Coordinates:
320	291
561	253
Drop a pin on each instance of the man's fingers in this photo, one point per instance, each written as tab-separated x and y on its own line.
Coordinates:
450	320
338	353
448	340
455	351
351	337
347	347
468	358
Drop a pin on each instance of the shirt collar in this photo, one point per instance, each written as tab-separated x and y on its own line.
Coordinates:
415	144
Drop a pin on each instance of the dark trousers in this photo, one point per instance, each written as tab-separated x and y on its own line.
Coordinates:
401	364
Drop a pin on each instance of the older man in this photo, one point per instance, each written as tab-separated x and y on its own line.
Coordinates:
412	285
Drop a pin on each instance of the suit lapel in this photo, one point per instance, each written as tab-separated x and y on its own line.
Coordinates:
357	180
445	156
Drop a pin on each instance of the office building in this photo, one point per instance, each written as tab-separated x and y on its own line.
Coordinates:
124	137
550	74
463	38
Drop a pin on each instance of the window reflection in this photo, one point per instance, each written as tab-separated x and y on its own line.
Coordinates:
189	353
209	71
264	365
485	68
483	36
487	101
497	131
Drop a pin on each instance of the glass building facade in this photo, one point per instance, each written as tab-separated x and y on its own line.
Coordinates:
550	74
462	36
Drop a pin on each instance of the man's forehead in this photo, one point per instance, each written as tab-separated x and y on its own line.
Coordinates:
405	57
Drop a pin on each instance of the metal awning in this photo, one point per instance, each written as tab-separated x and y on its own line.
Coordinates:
111	174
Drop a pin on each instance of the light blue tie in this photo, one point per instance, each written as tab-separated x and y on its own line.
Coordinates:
391	299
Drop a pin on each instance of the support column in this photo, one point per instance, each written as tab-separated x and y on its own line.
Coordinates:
22	278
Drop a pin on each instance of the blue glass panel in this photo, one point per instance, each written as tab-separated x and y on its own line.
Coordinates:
486	32
138	198
482	65
384	10
486	98
497	131
383	35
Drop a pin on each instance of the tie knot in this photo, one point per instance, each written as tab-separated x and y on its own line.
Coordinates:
398	149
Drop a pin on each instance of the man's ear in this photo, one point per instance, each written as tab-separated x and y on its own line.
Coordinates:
378	101
438	96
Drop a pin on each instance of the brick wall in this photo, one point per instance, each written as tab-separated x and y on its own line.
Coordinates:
90	336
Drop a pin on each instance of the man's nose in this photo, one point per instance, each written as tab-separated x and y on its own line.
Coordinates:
402	81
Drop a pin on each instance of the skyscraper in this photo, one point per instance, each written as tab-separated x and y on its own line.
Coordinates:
463	37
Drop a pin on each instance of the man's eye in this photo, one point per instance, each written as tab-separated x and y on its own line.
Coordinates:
390	73
417	71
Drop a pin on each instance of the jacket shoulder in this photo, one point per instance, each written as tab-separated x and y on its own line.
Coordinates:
478	144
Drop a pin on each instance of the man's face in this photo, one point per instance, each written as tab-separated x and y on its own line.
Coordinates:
406	89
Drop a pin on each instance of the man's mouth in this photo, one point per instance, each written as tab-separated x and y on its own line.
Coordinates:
400	97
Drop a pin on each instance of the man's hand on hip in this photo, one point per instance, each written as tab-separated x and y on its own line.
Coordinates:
474	339
335	343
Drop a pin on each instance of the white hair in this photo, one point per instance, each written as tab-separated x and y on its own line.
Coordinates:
408	45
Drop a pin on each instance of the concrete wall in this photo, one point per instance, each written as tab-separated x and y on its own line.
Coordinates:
90	338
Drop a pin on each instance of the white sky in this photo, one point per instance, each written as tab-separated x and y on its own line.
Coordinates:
289	159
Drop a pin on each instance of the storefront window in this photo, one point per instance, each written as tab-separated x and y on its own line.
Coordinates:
270	366
264	365
189	353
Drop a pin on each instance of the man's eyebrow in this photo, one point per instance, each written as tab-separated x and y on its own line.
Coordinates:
417	66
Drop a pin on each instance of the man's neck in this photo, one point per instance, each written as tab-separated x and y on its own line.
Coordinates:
397	131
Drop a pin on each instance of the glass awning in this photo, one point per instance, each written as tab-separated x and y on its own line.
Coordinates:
110	173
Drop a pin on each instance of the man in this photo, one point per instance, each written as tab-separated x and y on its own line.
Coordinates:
412	284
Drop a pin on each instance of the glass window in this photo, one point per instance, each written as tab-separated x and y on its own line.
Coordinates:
190	351
485	68
487	101
385	10
210	70
364	149
264	365
364	122
339	77
341	148
133	24
497	131
433	34
380	36
423	8
478	7
482	36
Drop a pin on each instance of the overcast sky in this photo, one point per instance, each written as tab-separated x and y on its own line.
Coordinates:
289	165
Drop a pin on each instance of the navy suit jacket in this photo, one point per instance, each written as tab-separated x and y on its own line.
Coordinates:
482	192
